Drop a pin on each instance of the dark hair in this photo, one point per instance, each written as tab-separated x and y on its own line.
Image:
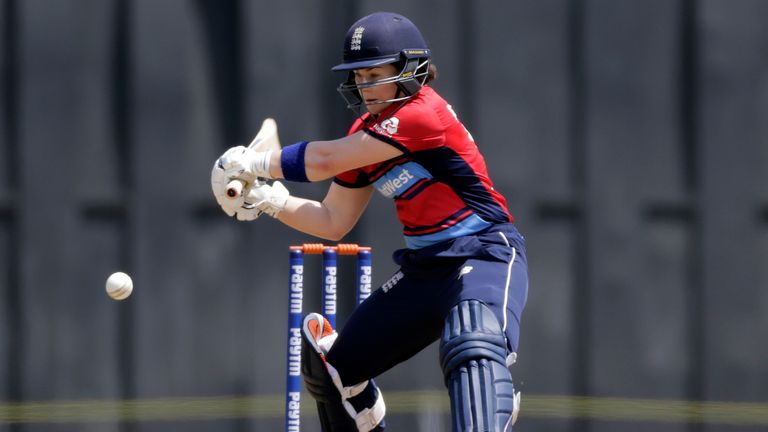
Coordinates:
431	73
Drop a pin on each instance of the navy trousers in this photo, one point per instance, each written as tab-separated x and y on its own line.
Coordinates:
407	312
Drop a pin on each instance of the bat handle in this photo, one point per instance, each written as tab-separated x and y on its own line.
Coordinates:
235	188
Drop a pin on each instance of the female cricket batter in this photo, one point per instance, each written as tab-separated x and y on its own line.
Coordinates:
463	275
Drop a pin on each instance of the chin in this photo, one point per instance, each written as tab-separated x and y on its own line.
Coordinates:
376	109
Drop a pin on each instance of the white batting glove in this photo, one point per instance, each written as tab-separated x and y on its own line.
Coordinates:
219	181
266	198
232	206
240	207
245	164
236	207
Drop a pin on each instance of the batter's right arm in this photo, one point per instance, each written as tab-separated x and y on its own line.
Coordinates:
330	219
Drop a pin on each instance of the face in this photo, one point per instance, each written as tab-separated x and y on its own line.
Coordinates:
374	94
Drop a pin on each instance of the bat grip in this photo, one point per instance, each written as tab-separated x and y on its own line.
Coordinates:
235	188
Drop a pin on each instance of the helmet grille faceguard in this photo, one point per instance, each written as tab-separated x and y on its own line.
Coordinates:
409	81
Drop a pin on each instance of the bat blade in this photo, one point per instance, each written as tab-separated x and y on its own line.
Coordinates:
265	139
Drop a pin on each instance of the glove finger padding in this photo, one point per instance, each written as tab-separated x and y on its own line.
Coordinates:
219	182
270	199
232	157
245	163
247	211
247	215
227	208
218	186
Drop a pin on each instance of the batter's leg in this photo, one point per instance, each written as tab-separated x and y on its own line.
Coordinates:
473	356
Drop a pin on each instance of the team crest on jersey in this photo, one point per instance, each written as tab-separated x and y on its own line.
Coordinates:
357	39
388	126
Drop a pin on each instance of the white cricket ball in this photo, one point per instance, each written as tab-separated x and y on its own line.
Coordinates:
119	286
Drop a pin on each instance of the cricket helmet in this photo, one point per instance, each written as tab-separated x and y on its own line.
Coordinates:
378	39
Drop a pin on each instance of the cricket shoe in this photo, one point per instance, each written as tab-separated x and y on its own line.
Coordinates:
318	332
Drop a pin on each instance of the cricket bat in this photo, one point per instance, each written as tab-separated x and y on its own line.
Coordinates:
265	140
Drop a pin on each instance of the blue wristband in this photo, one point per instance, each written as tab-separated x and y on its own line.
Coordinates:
292	162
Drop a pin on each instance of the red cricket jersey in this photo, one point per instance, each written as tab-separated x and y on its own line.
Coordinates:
440	184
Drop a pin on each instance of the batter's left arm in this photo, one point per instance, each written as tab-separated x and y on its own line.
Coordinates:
326	159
